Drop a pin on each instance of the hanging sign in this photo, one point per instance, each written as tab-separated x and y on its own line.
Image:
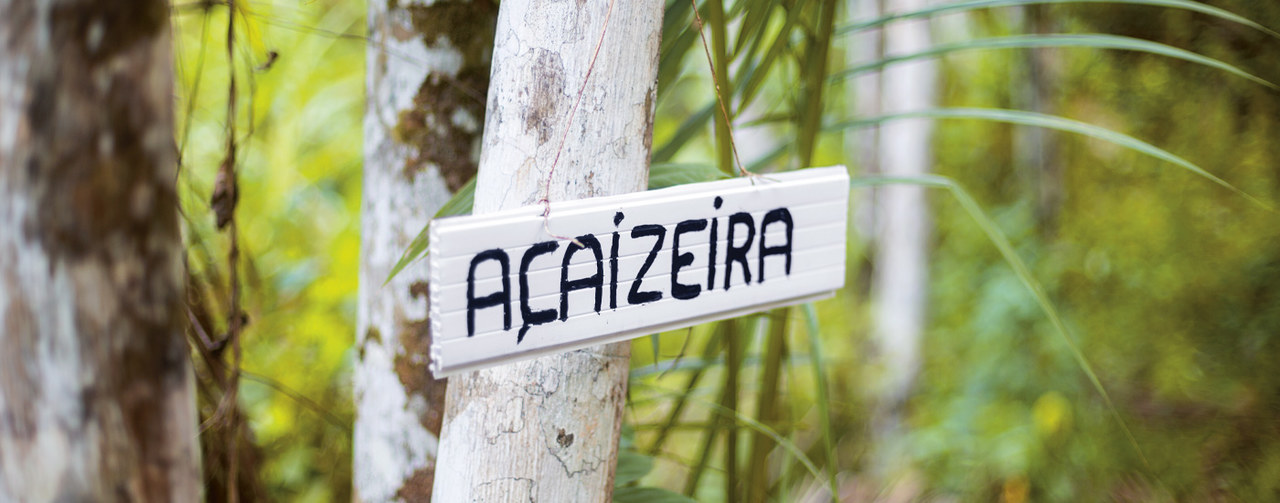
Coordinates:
503	288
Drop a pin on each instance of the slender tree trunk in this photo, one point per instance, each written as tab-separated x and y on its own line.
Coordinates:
864	93
96	389
428	70
1037	148
864	90
547	430
900	284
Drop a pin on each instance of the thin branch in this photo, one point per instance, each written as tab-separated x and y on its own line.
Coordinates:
302	400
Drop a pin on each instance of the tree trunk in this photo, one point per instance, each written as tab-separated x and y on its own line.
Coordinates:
1037	148
428	70
96	389
900	285
547	429
864	93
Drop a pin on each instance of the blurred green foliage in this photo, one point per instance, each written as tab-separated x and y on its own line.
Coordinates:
1167	280
299	157
1169	283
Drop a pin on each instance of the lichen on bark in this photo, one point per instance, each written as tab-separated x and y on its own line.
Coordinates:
428	75
445	123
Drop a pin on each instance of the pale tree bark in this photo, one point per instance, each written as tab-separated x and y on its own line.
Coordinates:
96	391
547	429
864	93
428	70
900	283
864	90
1037	148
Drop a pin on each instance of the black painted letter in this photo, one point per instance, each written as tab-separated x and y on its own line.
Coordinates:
531	317
711	256
779	215
594	281
635	296
680	290
502	297
613	264
738	253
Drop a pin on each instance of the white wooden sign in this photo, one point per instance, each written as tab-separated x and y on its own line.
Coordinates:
503	289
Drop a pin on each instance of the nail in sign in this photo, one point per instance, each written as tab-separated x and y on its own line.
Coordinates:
502	289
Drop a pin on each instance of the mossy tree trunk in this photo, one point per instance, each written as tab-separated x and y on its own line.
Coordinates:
96	390
428	71
547	429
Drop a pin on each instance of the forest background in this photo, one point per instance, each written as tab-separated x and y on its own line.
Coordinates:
1168	283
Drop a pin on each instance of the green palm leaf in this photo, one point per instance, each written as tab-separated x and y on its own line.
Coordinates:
1051	122
460	204
751	424
820	379
1089	40
983	4
1020	269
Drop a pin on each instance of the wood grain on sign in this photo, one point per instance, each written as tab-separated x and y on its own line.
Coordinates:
503	289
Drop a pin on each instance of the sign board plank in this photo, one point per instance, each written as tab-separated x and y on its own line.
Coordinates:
503	288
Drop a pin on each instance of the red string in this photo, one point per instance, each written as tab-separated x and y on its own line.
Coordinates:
546	189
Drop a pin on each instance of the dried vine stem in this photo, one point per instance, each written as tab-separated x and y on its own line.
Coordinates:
223	201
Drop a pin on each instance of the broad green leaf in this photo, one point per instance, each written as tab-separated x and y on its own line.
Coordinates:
1090	40
820	378
684	348
631	467
1052	122
417	249
817	67
655	342
735	9
757	73
751	424
460	204
677	365
677	39
767	159
664	175
627	438
692	125
1020	268
673	417
687	364
648	495
983	4
687	130
753	25
675	20
774	118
